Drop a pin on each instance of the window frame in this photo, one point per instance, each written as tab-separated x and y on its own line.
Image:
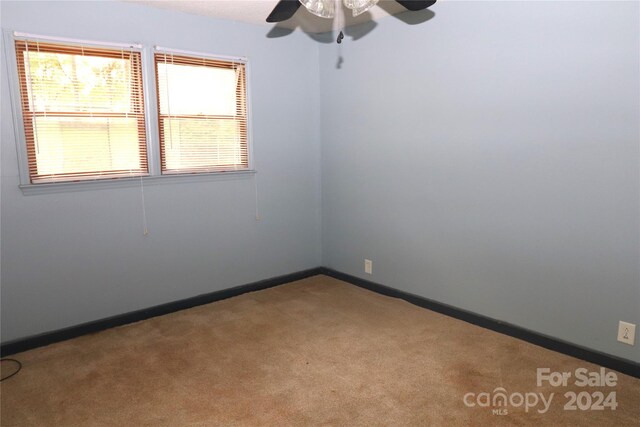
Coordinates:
150	97
137	98
158	51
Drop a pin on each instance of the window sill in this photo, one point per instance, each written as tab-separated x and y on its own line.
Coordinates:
98	184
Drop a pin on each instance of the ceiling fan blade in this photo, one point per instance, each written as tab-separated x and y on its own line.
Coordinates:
283	10
416	4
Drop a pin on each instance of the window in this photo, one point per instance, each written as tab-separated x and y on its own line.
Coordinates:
202	112
83	111
84	115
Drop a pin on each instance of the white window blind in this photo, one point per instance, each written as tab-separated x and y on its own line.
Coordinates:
83	111
202	109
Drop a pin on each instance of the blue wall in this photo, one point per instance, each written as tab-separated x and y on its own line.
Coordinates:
488	159
73	257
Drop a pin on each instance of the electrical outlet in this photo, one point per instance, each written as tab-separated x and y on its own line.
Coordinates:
627	333
368	266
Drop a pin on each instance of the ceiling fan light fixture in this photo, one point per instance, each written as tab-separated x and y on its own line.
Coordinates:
359	6
321	8
285	9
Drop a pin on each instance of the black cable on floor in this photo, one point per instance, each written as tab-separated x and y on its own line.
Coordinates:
12	374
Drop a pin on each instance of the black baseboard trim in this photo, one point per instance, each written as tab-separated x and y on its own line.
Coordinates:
624	366
608	361
47	338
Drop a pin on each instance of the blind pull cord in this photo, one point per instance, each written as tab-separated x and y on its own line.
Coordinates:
166	84
145	229
255	187
130	79
236	68
30	95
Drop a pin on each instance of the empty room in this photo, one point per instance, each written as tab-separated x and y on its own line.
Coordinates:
320	212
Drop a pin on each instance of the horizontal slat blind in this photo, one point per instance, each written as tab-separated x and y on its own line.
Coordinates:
202	112
83	111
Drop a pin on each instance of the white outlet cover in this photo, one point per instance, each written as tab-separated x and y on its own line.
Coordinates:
627	333
368	266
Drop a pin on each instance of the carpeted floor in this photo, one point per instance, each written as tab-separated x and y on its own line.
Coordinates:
314	352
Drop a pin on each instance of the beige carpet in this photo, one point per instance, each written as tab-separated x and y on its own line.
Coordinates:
314	352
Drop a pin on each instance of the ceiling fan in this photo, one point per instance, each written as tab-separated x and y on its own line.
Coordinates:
285	9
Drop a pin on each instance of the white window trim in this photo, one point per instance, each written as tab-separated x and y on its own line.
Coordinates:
98	184
17	35
151	121
168	50
247	69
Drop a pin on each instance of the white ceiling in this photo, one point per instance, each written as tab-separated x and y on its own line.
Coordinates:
256	12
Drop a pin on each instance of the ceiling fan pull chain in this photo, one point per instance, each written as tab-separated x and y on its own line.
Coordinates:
340	20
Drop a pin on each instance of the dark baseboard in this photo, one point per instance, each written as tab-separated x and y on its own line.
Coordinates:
47	338
612	362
